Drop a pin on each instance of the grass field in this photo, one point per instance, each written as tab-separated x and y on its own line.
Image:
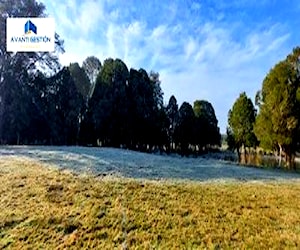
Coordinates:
44	208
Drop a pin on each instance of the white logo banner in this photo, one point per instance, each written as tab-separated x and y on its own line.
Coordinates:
30	34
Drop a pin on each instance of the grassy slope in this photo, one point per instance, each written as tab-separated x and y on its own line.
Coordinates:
44	208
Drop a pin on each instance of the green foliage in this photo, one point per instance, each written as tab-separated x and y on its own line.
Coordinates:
241	119
172	114
277	124
126	108
230	139
184	131
144	107
14	108
157	92
65	104
57	97
108	105
81	80
207	131
263	130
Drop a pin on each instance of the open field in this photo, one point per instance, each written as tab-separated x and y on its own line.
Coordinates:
45	207
127	163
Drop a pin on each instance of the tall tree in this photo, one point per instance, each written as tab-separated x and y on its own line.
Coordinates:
40	124
141	103
184	131
278	119
80	79
64	105
100	107
208	132
230	139
92	67
157	91
241	119
162	130
108	105
14	109
119	115
172	114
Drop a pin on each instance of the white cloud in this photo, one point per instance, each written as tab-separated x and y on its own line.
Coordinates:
190	47
91	13
79	50
159	32
135	29
223	67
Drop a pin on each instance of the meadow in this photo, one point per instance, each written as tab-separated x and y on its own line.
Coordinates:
44	207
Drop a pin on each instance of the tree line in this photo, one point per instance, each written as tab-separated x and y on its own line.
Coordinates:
275	127
102	105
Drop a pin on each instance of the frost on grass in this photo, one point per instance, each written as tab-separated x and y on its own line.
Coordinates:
126	163
52	209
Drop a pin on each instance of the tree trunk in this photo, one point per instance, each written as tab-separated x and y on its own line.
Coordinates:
289	157
245	154
280	154
239	154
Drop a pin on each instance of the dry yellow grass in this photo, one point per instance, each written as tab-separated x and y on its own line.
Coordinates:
43	208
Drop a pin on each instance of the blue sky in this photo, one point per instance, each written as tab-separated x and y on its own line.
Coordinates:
210	50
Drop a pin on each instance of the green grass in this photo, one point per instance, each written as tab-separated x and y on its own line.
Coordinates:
43	208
